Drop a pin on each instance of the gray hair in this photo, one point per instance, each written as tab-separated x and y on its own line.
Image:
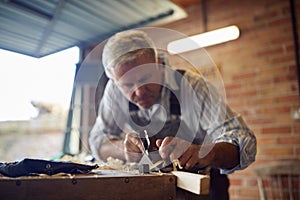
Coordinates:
125	46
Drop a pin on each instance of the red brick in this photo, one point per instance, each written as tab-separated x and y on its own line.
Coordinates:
298	152
265	15
278	89
272	71
284	118
276	110
260	101
256	121
286	98
283	58
289	140
245	76
293	68
234	181
277	130
286	78
280	22
270	51
248	94
249	192
267	140
234	86
277	151
296	128
281	40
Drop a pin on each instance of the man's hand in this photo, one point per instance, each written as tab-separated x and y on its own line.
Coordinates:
172	148
133	147
221	155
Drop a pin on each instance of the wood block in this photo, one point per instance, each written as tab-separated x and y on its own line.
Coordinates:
195	183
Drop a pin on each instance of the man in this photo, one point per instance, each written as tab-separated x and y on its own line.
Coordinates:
139	97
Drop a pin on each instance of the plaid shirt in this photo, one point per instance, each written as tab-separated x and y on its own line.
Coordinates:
203	110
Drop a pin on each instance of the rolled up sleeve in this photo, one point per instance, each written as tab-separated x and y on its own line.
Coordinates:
242	137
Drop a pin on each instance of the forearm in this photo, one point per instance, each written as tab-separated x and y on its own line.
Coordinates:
224	155
112	148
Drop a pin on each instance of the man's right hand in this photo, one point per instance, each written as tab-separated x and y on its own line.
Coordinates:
133	147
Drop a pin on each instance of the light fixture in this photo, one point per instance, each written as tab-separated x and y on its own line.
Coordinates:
204	40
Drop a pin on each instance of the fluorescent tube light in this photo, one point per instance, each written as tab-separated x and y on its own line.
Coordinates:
204	40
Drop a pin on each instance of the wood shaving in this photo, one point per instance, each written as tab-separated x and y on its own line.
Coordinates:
176	164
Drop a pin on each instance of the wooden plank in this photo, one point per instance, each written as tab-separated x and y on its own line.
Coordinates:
195	183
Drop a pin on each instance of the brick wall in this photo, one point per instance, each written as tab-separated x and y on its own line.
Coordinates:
260	76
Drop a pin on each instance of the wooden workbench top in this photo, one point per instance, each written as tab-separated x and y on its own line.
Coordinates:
101	184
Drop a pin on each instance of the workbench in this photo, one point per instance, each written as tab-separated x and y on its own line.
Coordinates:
104	184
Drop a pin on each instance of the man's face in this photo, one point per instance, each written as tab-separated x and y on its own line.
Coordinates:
139	80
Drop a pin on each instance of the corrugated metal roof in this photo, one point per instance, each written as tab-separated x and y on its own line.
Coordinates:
42	27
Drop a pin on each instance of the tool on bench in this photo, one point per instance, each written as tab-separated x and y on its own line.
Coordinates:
146	143
145	162
151	163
